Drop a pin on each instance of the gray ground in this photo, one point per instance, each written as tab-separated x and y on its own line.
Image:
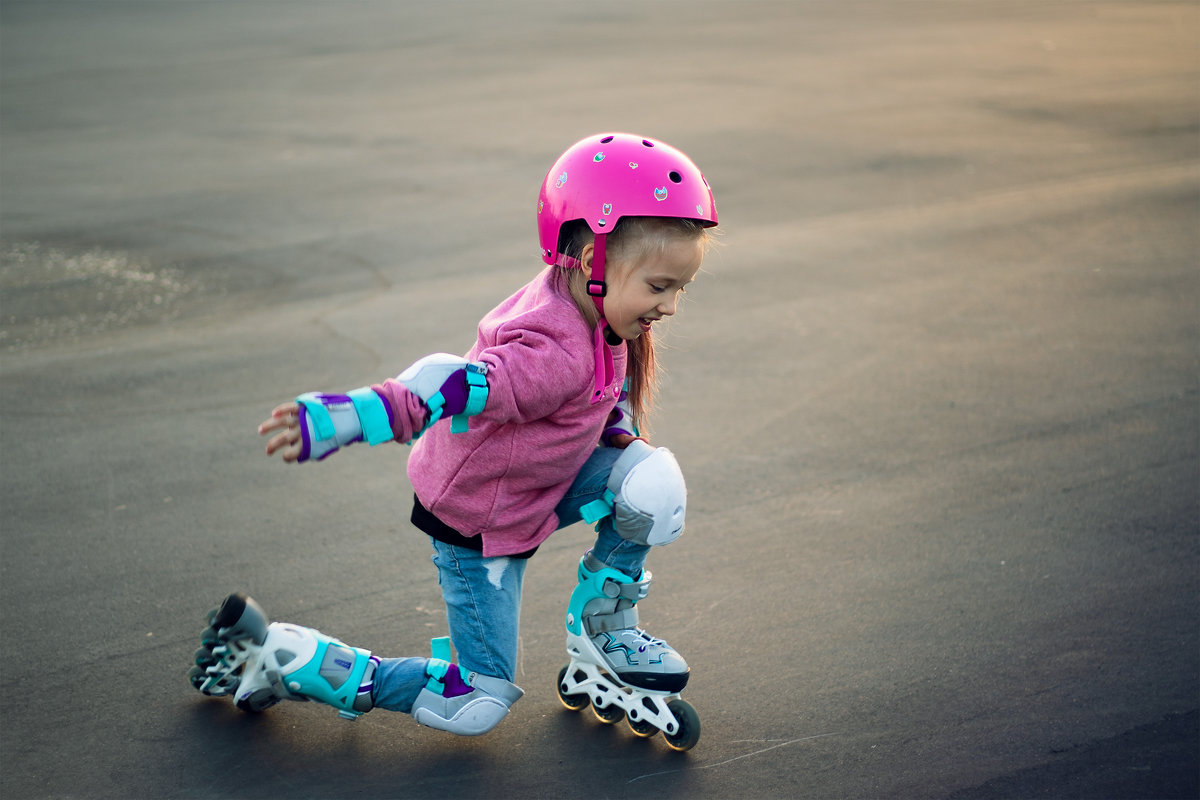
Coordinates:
936	396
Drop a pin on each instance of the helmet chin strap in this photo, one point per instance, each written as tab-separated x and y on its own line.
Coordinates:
605	338
596	287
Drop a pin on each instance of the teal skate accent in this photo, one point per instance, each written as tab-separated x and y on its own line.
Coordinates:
332	676
439	665
372	415
591	586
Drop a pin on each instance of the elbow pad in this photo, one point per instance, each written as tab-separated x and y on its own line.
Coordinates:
332	421
449	386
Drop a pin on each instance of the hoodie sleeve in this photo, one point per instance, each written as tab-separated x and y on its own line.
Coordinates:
408	412
530	375
533	371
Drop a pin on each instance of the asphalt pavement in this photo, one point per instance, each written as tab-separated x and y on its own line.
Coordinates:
936	393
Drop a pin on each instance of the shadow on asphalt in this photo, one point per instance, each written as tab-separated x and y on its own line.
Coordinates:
1160	760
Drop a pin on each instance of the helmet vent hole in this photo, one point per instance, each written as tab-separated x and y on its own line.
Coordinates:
675	177
606	140
647	143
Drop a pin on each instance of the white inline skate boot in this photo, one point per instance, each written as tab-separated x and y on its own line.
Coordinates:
619	668
259	663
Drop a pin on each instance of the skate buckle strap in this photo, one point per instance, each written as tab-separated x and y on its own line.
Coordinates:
634	590
616	621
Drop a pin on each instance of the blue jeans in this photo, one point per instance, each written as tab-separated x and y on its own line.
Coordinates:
483	595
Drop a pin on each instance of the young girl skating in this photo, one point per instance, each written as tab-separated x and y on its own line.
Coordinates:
536	428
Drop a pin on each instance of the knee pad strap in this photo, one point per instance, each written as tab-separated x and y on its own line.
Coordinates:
646	496
461	702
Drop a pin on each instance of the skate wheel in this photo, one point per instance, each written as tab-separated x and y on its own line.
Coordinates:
197	676
230	611
608	714
641	727
573	702
208	637
689	726
204	657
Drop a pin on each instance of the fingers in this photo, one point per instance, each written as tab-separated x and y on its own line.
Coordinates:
283	426
274	425
287	444
288	409
282	416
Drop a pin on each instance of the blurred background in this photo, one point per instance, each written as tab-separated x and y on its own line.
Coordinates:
936	394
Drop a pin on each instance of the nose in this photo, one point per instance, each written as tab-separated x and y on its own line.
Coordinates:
667	306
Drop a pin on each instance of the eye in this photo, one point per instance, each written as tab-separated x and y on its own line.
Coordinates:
657	289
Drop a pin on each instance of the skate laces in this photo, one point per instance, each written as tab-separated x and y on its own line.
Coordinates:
646	641
651	641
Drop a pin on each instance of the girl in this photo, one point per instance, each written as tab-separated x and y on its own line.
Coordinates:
544	413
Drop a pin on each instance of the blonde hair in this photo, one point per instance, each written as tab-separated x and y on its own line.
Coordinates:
631	239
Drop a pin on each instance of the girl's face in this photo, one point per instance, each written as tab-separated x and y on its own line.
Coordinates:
646	287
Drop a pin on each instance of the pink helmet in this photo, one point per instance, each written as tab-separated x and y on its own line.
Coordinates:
608	176
601	179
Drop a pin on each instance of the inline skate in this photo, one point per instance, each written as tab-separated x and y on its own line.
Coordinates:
259	663
618	668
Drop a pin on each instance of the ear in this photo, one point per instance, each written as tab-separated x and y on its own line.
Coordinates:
585	258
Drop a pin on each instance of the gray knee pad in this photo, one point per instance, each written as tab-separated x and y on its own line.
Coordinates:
471	714
458	701
649	495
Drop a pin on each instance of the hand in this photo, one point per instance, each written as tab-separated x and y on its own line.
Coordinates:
284	422
623	440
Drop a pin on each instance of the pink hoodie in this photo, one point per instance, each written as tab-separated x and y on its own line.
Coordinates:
502	478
